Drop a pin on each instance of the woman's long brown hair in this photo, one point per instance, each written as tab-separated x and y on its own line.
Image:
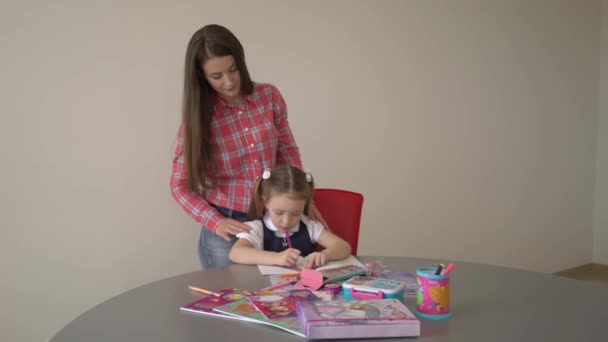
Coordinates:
210	41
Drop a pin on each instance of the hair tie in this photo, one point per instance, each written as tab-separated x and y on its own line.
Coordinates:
266	174
308	176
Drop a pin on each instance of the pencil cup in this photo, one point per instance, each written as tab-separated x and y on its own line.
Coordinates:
433	295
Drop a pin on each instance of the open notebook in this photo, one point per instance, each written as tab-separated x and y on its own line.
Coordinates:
267	270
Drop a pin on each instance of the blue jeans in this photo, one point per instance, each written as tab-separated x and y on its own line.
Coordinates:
213	250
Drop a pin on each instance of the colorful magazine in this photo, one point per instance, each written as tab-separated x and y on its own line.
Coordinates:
208	302
357	319
247	311
280	304
343	272
281	278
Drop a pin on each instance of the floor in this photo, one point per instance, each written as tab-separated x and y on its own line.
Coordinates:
590	272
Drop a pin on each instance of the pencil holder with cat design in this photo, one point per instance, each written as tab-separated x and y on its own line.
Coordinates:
433	295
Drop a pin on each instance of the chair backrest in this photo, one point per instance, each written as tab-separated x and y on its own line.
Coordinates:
341	210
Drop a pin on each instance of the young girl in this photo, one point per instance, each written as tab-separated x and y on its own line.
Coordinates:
280	228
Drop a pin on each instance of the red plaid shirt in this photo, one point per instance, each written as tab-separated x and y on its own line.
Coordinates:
246	140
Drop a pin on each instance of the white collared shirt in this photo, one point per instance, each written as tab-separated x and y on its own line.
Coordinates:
256	234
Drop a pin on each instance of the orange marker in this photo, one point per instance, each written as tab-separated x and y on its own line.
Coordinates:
197	289
289	275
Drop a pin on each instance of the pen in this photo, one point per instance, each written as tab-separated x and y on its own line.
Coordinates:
197	289
279	285
288	238
448	269
438	271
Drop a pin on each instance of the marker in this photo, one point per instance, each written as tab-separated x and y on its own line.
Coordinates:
438	271
288	238
290	275
327	280
279	285
448	269
197	289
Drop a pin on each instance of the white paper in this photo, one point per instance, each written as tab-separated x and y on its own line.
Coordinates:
267	270
351	260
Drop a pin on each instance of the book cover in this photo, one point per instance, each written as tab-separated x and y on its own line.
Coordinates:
357	319
280	304
343	272
245	309
411	284
282	278
207	302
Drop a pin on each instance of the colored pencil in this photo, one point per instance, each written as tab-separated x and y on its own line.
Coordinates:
198	289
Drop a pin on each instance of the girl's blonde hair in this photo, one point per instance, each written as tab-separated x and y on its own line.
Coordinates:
283	179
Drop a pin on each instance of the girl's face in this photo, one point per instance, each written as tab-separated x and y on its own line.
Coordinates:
224	77
285	211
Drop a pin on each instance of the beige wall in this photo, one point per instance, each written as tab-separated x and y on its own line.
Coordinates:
600	237
469	126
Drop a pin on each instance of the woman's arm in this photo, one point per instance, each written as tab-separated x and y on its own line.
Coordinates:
243	252
191	202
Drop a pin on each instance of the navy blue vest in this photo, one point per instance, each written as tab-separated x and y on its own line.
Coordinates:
299	240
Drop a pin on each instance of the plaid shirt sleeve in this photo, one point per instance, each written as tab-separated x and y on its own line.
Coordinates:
191	202
287	152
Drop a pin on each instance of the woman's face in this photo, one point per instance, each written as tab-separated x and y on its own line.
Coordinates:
223	75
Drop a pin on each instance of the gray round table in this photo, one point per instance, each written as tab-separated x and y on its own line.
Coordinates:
489	303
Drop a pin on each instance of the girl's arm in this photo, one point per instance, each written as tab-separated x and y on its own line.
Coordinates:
335	249
243	252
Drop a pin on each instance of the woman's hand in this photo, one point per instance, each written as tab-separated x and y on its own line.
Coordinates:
314	260
229	227
288	257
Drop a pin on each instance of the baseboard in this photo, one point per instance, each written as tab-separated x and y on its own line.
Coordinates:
590	267
599	268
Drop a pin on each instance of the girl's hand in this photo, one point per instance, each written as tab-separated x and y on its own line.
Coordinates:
229	227
288	257
314	260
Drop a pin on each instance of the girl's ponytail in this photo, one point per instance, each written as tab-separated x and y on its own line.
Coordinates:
256	207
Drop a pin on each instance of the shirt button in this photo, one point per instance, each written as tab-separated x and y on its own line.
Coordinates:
251	145
239	113
255	160
246	129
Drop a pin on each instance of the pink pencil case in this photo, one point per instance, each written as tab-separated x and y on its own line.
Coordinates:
362	287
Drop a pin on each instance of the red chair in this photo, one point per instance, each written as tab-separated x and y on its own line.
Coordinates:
341	210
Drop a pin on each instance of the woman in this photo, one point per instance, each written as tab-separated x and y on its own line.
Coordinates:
232	129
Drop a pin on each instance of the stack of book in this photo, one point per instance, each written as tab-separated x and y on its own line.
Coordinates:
275	308
296	309
299	312
357	319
